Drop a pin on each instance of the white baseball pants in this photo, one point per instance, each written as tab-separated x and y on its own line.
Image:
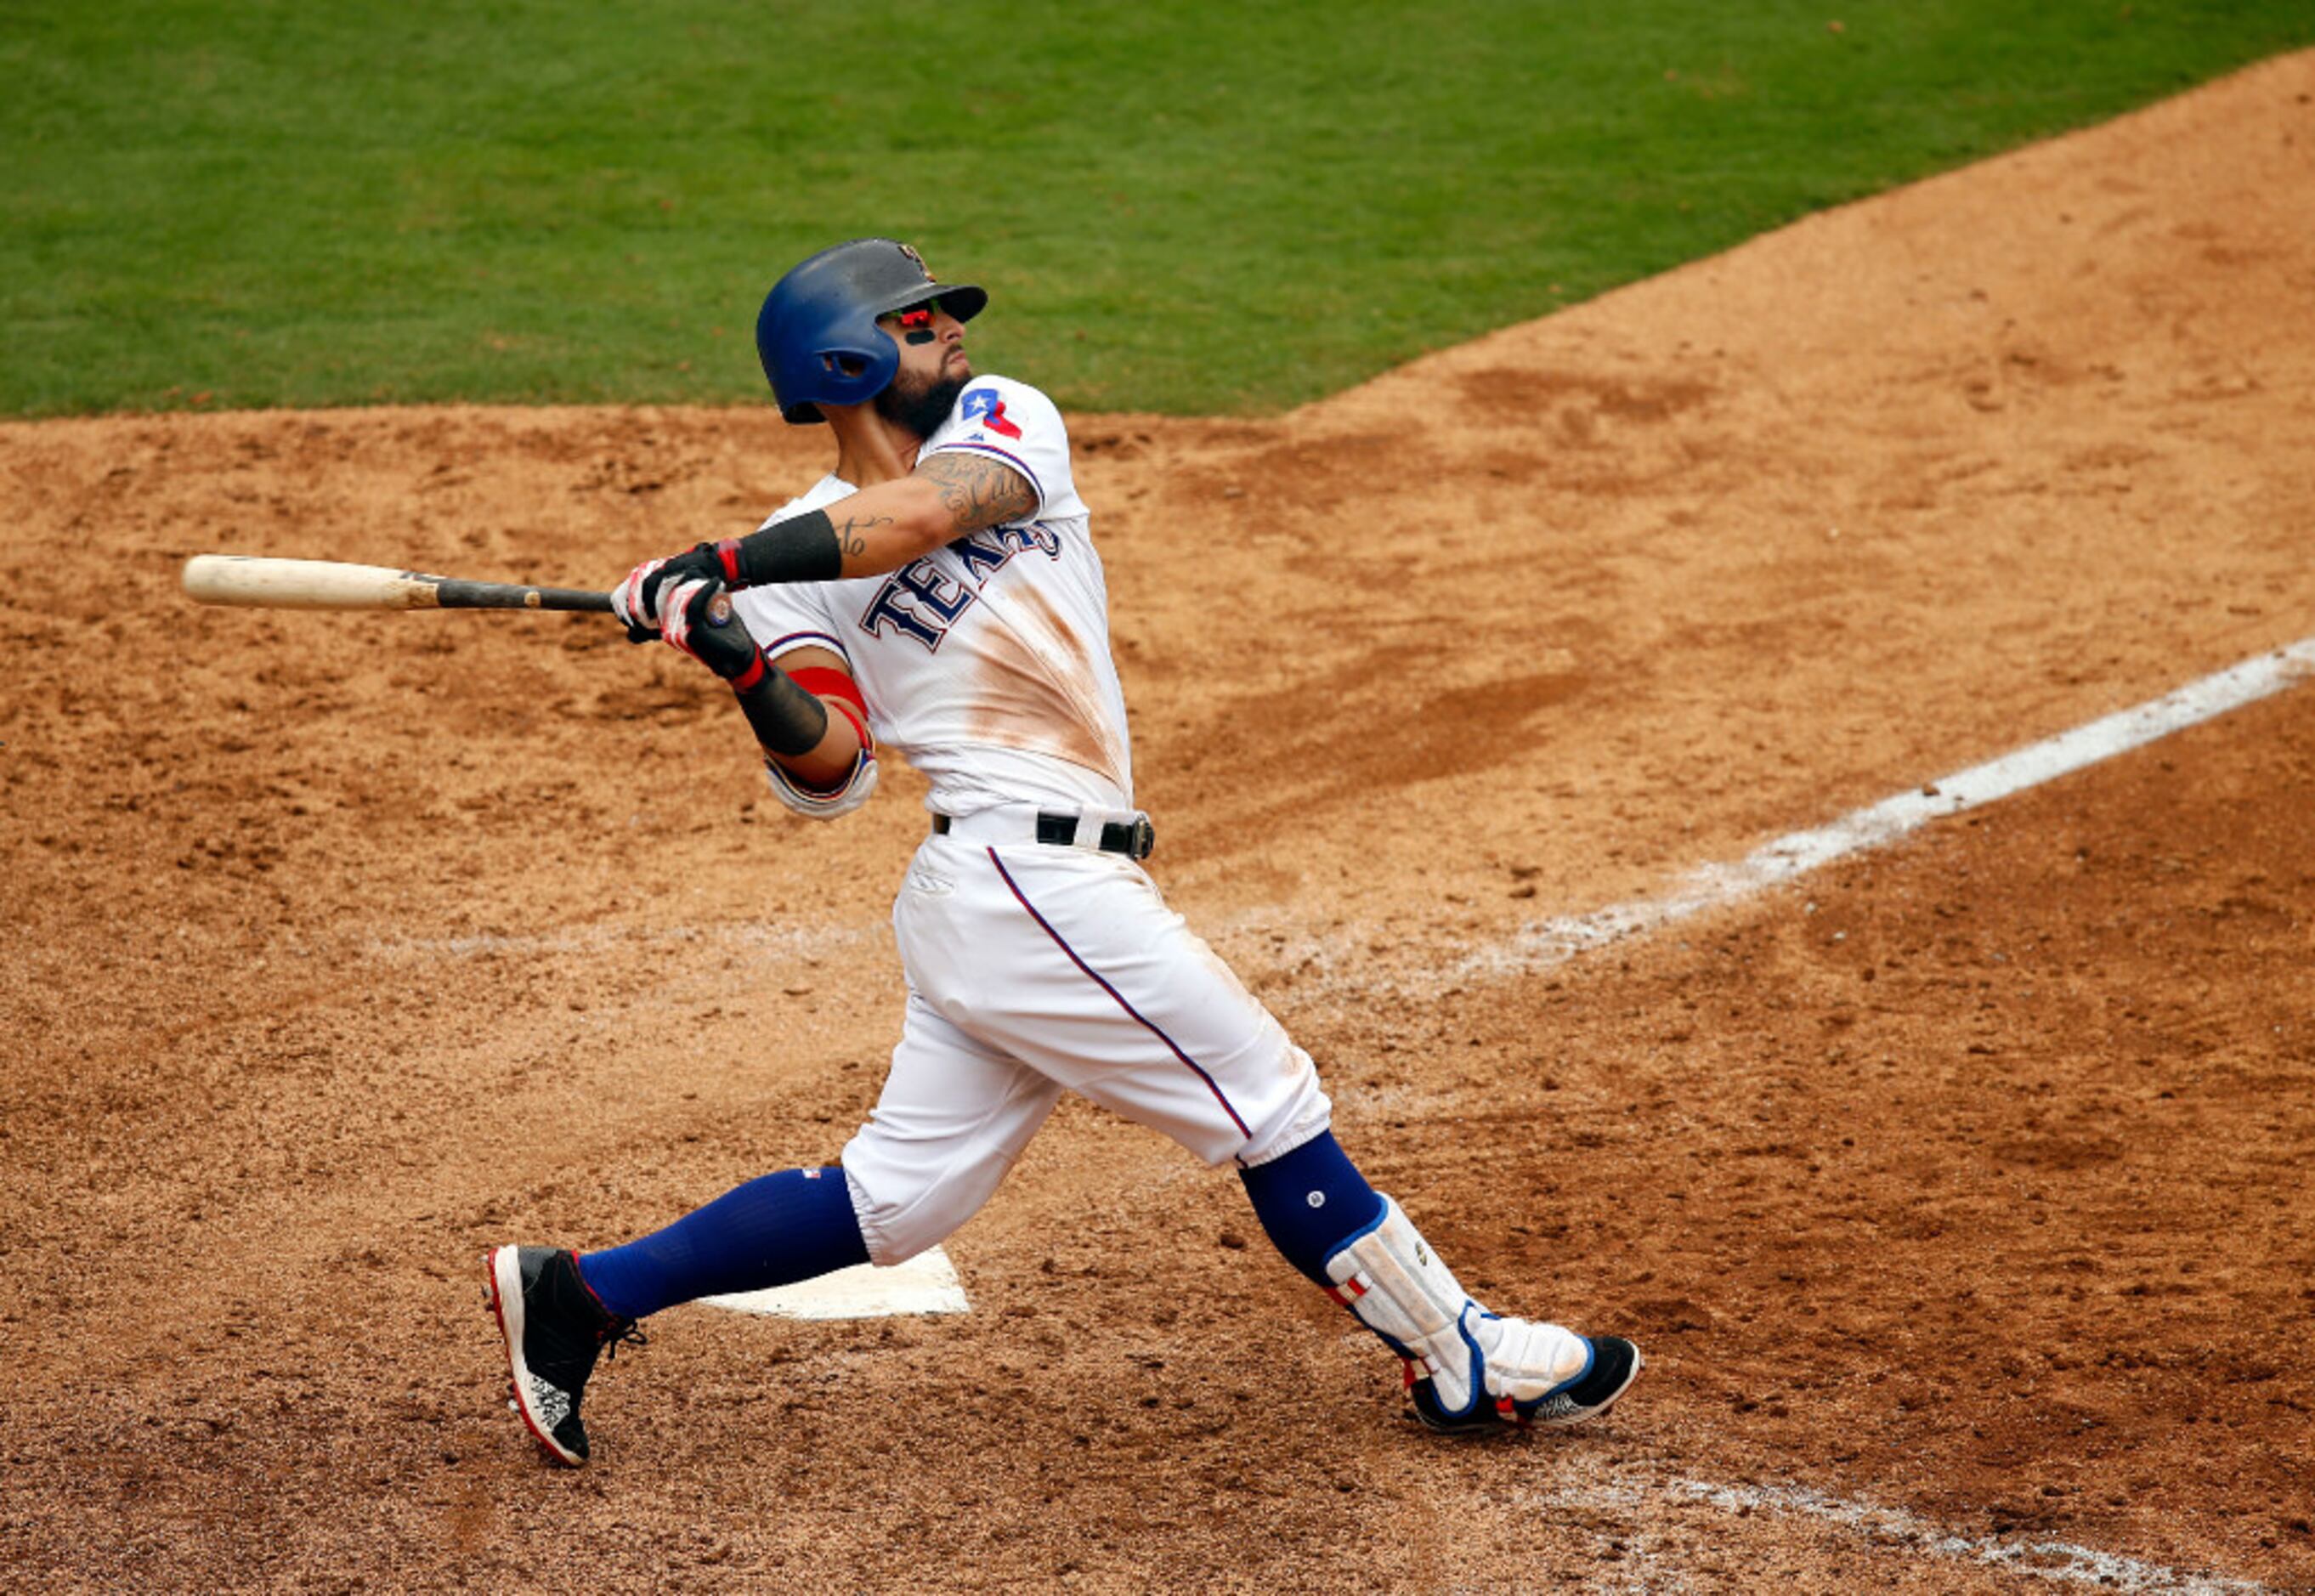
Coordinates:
1032	969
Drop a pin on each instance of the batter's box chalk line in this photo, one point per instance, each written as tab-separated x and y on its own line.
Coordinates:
924	1284
1890	1529
1542	944
803	942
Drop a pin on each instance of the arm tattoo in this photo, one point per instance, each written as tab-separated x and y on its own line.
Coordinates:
849	532
977	491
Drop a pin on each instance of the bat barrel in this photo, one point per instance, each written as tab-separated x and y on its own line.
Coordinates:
331	584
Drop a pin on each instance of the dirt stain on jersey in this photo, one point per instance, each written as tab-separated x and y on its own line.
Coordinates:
1040	693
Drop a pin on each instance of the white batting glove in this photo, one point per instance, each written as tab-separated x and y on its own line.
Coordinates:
675	603
631	602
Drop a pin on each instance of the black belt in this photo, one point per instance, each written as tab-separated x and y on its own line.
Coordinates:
1134	838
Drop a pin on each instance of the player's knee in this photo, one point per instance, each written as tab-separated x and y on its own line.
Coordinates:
896	1235
1302	1113
907	1205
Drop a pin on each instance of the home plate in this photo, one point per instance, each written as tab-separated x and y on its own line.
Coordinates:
924	1284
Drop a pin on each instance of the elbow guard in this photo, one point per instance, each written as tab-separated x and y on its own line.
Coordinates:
825	805
841	694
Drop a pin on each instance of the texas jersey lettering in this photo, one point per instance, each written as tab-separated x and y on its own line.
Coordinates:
918	601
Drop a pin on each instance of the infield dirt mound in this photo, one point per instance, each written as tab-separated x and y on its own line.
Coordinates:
1968	1180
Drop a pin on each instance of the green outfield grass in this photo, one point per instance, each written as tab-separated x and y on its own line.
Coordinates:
1200	206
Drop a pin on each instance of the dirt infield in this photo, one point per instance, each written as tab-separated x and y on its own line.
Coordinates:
1959	1194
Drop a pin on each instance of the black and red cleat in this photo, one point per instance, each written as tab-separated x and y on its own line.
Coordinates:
555	1329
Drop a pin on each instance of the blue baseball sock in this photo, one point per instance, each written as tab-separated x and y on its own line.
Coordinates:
773	1231
1310	1202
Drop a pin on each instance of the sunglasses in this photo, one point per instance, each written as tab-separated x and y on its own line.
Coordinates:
916	318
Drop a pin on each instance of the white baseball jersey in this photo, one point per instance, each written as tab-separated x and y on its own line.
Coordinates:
985	664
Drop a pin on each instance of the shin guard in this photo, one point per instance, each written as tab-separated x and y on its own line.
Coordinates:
1466	1368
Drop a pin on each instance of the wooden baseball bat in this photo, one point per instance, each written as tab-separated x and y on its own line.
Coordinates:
331	584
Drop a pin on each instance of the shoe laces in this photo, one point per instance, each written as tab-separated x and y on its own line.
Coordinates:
621	1333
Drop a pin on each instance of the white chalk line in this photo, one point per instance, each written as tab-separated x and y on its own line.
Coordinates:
1893	1529
802	942
1542	944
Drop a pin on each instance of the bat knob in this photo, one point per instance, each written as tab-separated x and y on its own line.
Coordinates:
719	610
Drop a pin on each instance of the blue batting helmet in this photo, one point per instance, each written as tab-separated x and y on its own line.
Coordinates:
817	335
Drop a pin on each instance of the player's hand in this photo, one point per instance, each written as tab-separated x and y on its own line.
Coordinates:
698	620
631	601
637	599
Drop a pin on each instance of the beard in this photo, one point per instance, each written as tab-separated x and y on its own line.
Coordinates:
920	403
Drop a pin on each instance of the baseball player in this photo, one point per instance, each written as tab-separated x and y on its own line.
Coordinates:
938	595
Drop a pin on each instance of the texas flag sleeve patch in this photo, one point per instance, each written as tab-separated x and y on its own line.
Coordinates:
983	408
